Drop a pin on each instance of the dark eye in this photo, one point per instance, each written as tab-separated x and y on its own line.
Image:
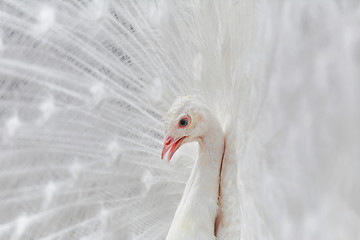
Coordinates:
183	122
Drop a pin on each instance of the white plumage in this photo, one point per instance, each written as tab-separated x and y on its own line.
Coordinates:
85	86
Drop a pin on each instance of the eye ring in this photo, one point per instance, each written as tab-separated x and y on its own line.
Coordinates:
184	122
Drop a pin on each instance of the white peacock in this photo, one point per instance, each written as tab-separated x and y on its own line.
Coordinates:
85	87
188	121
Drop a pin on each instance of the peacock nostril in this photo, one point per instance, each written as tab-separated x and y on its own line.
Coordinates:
168	140
167	145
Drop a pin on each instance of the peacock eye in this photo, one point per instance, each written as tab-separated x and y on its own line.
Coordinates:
183	122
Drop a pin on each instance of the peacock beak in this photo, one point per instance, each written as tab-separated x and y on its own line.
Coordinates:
167	144
171	144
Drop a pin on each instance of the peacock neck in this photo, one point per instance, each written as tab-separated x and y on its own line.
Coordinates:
198	207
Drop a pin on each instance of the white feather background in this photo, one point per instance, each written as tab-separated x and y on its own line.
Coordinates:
84	87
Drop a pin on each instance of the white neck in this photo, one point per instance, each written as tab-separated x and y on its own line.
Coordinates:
195	216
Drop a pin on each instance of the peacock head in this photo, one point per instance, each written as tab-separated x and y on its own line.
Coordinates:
185	122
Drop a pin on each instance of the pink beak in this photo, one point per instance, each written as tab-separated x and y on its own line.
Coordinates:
171	144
